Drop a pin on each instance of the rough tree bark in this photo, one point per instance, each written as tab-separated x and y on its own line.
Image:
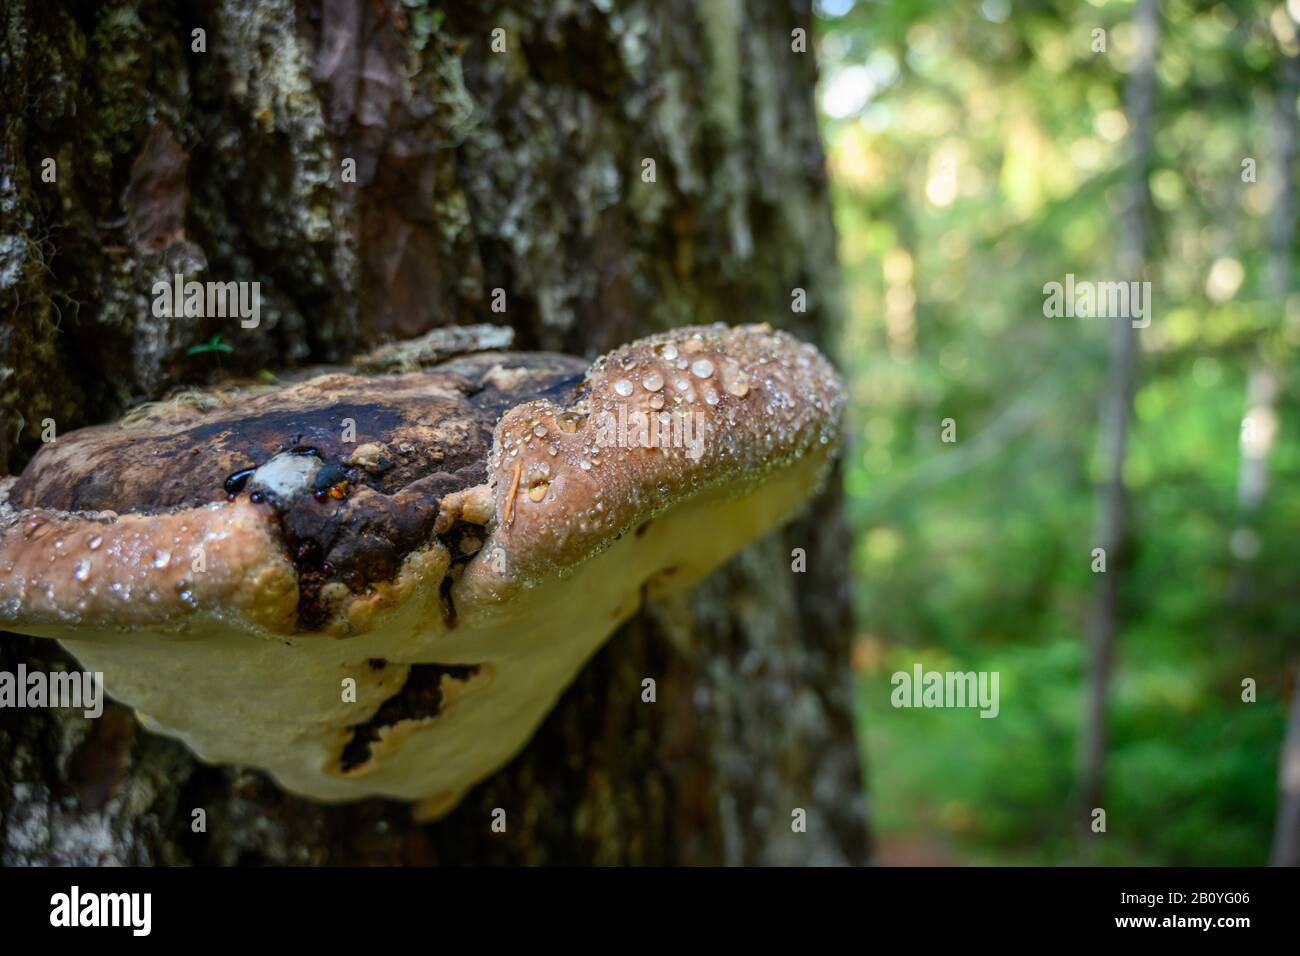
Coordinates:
475	171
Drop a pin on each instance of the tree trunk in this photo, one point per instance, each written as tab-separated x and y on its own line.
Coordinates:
1264	382
1111	528
1286	831
225	155
1286	828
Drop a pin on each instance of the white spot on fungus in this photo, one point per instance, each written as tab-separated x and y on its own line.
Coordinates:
285	476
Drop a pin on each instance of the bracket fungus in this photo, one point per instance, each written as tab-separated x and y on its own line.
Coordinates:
381	584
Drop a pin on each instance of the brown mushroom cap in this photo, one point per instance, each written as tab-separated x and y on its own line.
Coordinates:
107	571
656	422
475	530
381	450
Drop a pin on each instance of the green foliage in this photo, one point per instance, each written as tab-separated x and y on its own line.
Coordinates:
979	152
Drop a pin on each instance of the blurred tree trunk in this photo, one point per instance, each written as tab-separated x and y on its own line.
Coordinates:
222	154
1286	833
1110	531
1264	381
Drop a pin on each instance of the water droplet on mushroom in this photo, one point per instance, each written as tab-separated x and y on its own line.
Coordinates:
656	402
82	571
161	559
539	430
538	491
702	368
710	396
735	381
569	423
94	543
652	382
623	387
585	465
235	482
669	351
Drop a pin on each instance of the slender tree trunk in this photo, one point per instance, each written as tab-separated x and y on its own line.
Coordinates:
484	160
1286	833
1263	383
1111	527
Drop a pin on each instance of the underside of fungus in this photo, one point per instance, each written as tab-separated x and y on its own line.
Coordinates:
380	584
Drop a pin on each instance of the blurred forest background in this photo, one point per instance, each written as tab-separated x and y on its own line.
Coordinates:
978	152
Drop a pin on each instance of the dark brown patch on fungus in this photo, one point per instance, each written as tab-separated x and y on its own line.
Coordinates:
420	697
